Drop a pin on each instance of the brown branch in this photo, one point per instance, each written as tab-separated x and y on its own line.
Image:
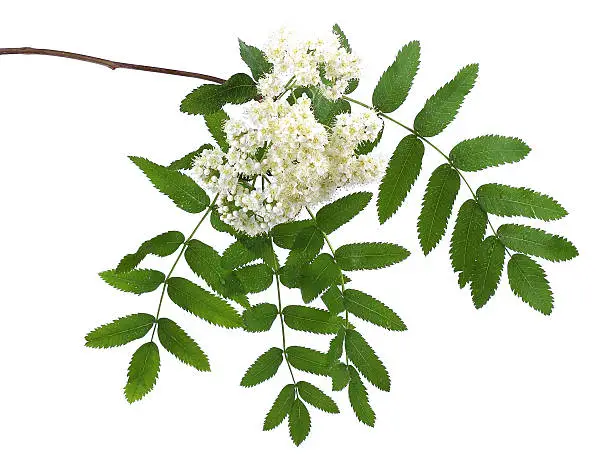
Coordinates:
108	63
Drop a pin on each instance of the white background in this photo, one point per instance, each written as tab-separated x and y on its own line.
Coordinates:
502	382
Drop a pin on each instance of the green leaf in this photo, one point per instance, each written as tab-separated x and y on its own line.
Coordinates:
255	278
367	146
438	202
365	359
340	376
528	281
137	281
487	151
291	275
367	308
299	422
186	161
333	299
210	98
467	236
284	234
334	215
358	396
316	397
487	270
182	190
336	345
441	108
215	122
280	408
536	242
307	360
325	110
260	317
163	245
203	304
395	83
369	255
311	320
508	201
220	225
120	331
236	255
174	339
263	368
308	244
319	275
143	371
255	59
345	44
402	171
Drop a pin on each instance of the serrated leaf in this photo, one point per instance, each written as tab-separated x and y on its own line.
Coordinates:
333	300
143	371
137	281
308	243
203	304
260	317
536	242
365	359
284	234
367	146
263	368
508	201
528	281
487	151
369	255
358	396
311	320
345	44
334	215
468	234
395	83
324	109
340	376
186	162
162	245
215	122
210	98
291	275
121	331
402	171
336	345
255	278
255	59
438	201
321	273
280	408
368	308
220	225
176	341
181	189
237	254
299	422
441	108
308	360
487	270
316	397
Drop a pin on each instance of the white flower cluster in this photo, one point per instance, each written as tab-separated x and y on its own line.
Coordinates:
323	63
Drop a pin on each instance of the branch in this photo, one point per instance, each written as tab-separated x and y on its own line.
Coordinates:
108	63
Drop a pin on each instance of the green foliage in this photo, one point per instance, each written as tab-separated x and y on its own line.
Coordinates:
441	108
308	360
366	147
205	262
162	245
263	368
487	270
536	242
255	59
255	278
333	300
336	345
308	243
368	308
438	203
509	201
194	299
121	331
137	281
320	274
487	151
358	396
299	422
237	254
369	255
143	371
345	44
340	376
325	110
365	359
332	216
210	98
174	339
280	408
528	281
395	83
215	122
284	235
182	190
316	397
402	171
186	161
469	232
313	320
259	318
